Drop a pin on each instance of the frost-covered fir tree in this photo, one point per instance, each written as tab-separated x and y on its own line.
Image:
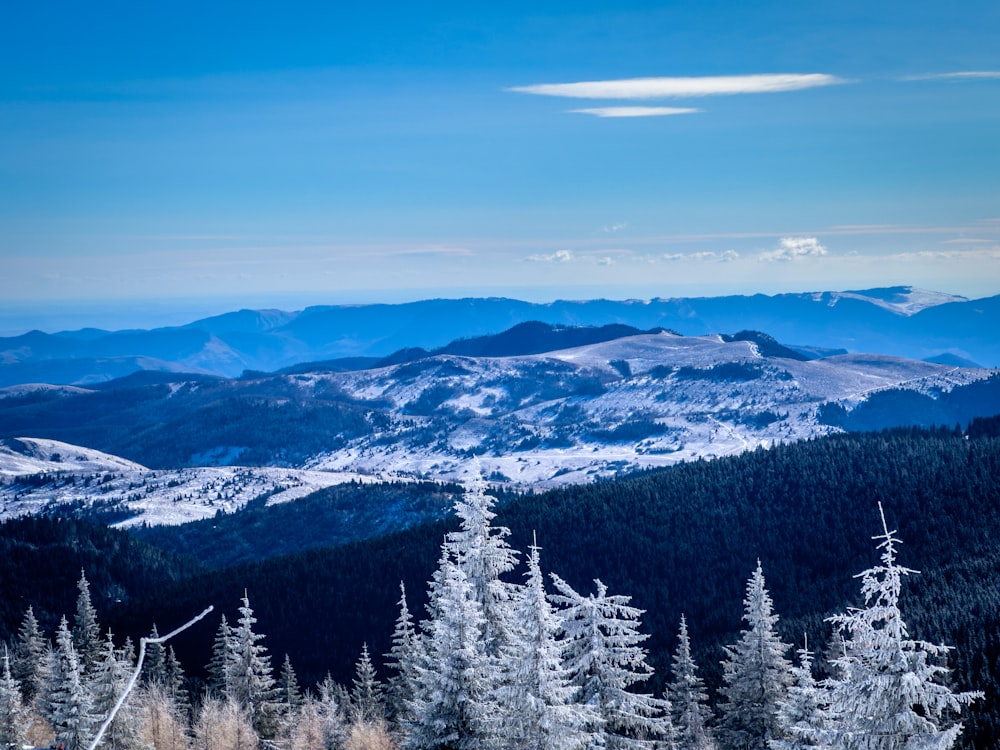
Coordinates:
13	713
604	658
453	707
86	631
803	714
756	675
331	708
402	658
538	699
111	674
68	706
890	693
482	552
28	657
218	681
175	682
367	703
688	698
249	679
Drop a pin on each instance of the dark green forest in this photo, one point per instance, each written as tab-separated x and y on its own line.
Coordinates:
680	540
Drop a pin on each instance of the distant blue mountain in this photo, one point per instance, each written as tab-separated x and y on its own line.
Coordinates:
899	321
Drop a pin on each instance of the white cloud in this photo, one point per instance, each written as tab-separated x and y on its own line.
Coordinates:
636	111
790	248
559	256
956	76
657	88
606	261
703	256
610	228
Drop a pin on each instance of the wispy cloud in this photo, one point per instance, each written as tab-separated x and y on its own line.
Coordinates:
616	227
672	87
636	111
791	248
956	76
559	256
709	255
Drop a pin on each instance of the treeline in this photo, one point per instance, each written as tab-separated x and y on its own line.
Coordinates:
679	541
501	663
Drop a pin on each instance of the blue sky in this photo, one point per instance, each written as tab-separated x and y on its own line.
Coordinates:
251	154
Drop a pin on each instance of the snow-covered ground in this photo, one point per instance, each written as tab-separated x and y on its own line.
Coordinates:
531	421
89	478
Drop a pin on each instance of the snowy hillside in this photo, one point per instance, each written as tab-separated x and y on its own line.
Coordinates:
57	474
585	413
538	421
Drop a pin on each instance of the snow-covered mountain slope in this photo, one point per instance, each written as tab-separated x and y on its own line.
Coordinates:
532	421
584	413
32	456
58	477
904	300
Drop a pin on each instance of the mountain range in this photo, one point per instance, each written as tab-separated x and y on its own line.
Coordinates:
899	321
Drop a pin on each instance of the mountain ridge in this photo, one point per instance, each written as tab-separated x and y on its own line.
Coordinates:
894	320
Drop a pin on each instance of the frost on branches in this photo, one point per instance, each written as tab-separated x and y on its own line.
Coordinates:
891	693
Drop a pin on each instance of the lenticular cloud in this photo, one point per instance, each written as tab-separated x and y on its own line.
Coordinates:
660	88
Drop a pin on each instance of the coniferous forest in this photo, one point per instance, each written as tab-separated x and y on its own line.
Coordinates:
764	600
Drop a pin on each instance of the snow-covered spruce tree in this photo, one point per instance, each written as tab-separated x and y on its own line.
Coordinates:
453	706
332	709
890	692
13	713
218	681
86	631
175	683
68	706
28	657
756	676
537	699
288	697
604	659
688	698
367	703
111	675
249	679
402	659
803	714
482	552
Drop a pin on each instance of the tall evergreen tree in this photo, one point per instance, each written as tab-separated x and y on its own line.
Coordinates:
481	550
154	665
250	681
69	708
86	631
605	659
218	666
107	684
367	705
28	662
537	702
803	714
453	707
890	693
175	683
756	675
688	697
402	658
13	713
